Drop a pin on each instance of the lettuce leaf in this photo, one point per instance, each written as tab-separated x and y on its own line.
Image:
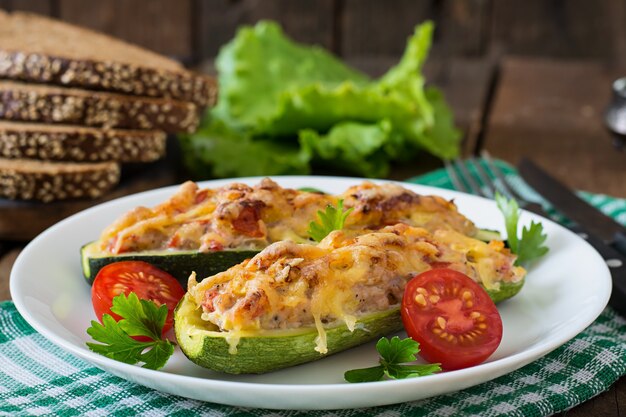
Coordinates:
363	149
219	151
305	105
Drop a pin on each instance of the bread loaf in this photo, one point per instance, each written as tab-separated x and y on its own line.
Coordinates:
79	144
38	49
52	104
26	179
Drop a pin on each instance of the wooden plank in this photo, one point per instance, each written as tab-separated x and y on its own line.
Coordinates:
463	27
573	28
545	109
160	25
371	27
36	6
217	21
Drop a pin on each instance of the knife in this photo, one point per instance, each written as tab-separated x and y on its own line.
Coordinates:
573	207
556	193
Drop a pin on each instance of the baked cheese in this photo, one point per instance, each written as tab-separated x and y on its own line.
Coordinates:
348	274
238	216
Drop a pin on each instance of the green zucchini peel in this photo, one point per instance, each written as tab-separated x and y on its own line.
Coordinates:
269	350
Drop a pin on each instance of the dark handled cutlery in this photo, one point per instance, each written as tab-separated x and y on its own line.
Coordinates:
573	207
603	233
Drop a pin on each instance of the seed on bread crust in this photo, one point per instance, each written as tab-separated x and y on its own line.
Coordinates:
79	144
51	104
48	181
40	49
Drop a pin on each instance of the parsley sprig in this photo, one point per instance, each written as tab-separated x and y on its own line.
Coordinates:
394	354
332	219
530	245
139	318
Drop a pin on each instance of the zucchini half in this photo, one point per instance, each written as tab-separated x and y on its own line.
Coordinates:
506	290
269	350
179	264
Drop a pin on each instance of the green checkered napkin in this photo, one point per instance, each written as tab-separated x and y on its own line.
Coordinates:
38	378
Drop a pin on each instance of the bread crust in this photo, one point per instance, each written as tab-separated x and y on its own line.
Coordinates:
108	76
79	144
48	181
52	104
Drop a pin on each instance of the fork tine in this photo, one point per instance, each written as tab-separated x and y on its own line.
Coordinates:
484	178
505	187
456	181
468	177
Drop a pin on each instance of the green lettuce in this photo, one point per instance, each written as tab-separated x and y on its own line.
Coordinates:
216	150
285	106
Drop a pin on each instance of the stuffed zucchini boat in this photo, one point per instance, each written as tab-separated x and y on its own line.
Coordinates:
295	303
214	229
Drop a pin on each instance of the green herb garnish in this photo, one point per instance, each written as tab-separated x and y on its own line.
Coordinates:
139	318
530	245
311	190
332	219
394	354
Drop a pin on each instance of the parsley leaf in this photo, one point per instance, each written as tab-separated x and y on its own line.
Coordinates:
530	245
139	318
533	240
393	354
332	219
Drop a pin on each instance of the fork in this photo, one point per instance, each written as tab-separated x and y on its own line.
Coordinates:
466	181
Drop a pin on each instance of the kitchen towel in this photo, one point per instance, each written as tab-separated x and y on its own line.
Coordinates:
39	378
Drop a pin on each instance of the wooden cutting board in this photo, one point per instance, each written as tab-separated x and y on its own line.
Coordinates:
21	221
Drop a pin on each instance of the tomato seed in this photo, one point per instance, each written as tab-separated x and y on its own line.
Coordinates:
420	299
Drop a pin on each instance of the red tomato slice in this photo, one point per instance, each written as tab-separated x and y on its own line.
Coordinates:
451	317
145	280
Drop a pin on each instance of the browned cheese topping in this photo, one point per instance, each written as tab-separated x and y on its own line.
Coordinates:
238	216
349	274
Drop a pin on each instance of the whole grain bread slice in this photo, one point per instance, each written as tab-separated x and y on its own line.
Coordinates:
26	179
38	49
52	104
79	144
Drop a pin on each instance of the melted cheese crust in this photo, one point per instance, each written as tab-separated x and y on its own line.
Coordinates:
238	216
348	274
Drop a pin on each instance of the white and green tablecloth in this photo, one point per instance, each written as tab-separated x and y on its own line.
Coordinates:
38	378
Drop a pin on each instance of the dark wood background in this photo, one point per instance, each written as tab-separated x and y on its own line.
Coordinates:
193	30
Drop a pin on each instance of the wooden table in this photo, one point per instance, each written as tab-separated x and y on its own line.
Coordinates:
548	110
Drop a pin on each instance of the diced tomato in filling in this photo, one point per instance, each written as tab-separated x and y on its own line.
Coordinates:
201	196
248	222
174	242
209	296
215	246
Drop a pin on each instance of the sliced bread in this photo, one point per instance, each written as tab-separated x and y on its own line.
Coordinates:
79	144
39	49
26	179
52	104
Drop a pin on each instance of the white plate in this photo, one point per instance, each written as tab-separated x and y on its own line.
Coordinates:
564	293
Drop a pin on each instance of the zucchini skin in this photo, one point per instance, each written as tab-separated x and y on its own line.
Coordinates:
179	264
506	291
269	350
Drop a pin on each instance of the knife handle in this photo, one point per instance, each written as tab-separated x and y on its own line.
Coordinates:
617	266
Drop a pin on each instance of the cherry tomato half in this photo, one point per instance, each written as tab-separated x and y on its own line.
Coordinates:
451	317
145	280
